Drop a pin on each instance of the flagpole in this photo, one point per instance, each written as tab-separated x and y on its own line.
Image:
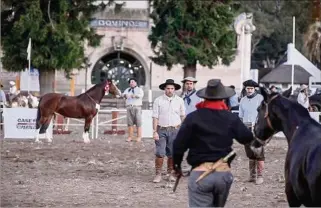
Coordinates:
29	63
293	41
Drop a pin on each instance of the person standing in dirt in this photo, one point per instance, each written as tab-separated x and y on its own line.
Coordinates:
134	101
208	134
303	97
168	113
189	96
248	113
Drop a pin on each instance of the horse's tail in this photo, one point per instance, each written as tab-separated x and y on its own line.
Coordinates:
38	124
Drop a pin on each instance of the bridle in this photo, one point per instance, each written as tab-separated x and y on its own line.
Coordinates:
268	120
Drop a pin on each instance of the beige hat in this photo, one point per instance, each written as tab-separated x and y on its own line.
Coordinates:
12	83
303	87
191	79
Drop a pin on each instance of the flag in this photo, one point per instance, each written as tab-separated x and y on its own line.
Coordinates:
29	49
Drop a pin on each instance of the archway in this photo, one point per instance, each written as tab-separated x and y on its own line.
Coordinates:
118	66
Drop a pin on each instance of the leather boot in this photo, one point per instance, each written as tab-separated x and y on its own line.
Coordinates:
260	168
158	169
139	134
130	133
252	169
170	168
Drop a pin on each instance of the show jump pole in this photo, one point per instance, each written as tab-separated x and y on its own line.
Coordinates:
29	62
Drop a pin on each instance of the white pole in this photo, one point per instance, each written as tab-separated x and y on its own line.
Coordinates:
242	58
293	41
29	63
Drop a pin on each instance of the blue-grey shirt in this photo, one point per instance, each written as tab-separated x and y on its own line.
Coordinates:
248	108
233	101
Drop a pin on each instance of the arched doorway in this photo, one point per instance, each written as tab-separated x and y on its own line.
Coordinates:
118	66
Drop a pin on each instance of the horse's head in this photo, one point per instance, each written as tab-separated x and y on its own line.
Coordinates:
268	123
111	88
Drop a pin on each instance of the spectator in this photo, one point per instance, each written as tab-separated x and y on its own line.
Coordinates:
189	96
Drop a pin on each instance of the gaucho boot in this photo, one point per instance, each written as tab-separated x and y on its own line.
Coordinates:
139	134
158	169
252	169
130	133
260	168
170	168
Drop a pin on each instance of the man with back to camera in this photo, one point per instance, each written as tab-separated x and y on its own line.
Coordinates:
248	113
189	96
134	101
168	113
208	135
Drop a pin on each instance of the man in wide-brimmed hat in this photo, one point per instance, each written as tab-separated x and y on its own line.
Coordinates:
134	101
248	113
189	95
168	113
303	96
208	134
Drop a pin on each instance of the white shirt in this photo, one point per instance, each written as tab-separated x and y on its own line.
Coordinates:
13	90
168	110
303	100
136	91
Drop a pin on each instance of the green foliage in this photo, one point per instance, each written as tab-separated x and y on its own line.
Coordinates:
273	21
58	29
188	31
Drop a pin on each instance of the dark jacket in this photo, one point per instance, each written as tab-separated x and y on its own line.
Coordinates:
208	134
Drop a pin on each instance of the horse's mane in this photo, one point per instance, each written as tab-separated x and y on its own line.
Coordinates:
292	106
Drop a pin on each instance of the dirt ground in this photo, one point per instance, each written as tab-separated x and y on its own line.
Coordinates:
110	172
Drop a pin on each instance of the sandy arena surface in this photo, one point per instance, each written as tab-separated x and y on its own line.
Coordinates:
110	172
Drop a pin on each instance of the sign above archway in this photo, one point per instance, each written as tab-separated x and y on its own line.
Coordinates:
120	23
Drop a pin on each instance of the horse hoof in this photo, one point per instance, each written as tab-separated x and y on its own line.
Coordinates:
38	141
49	140
87	141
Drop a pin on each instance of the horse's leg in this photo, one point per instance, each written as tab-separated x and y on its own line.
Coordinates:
85	134
293	200
48	137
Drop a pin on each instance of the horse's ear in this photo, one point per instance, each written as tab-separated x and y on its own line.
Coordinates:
265	93
287	92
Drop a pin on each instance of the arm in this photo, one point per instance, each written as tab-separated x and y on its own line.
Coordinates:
155	117
140	94
241	112
182	110
241	133
125	93
181	142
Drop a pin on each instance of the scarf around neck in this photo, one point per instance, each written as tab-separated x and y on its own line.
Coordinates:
251	96
187	96
212	104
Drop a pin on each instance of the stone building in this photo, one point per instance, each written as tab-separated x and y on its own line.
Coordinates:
125	52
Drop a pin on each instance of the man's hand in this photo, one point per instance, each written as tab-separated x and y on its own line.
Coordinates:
178	170
155	136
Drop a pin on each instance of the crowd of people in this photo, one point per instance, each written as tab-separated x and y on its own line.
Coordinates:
200	122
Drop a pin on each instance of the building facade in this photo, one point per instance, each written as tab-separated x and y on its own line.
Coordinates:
125	50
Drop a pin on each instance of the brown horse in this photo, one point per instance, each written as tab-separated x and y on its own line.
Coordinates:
85	105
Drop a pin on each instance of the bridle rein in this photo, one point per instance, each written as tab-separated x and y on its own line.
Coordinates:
268	120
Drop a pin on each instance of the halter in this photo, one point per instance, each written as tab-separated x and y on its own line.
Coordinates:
107	86
268	120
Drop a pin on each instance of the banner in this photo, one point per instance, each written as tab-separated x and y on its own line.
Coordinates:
33	80
20	123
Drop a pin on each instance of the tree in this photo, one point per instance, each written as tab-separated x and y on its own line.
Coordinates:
58	29
273	21
189	31
313	43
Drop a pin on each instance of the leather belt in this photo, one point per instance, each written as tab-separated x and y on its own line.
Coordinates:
208	166
168	127
133	106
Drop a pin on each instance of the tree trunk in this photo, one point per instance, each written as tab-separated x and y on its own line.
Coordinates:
190	70
46	81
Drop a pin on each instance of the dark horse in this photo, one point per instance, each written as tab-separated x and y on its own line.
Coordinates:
303	160
85	105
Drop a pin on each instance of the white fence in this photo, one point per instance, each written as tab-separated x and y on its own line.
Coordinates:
19	123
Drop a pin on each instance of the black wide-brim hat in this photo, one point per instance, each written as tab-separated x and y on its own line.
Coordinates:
250	83
132	78
215	90
169	82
